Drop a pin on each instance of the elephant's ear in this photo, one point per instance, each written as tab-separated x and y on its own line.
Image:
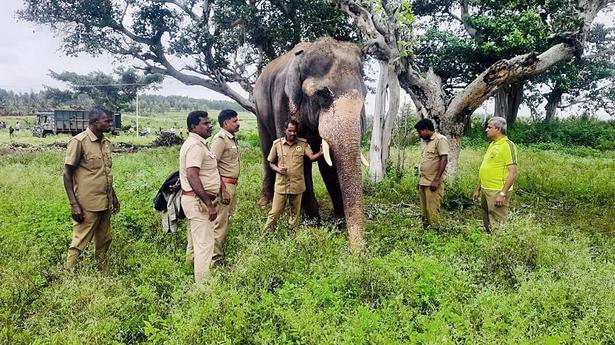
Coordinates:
293	82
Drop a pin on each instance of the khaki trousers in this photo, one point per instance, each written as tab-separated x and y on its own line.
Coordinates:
200	236
223	222
430	205
493	215
277	207
97	226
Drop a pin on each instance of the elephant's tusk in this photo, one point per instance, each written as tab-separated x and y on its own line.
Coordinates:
326	153
364	161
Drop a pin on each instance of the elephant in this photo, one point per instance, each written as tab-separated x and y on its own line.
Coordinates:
319	84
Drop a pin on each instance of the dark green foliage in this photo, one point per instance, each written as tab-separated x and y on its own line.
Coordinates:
581	135
115	91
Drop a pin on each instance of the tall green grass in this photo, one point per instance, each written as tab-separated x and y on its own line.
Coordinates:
547	277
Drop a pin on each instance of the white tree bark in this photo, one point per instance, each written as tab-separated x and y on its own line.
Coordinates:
385	112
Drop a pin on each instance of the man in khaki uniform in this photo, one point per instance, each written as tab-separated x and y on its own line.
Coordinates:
224	145
200	183
286	159
434	157
89	185
497	174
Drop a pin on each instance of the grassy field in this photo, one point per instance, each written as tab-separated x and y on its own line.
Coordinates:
546	278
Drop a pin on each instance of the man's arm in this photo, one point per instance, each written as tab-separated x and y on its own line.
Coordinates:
217	147
276	168
441	168
312	156
75	208
512	176
476	193
197	187
116	202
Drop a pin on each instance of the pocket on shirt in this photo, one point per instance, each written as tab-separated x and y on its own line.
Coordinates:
93	161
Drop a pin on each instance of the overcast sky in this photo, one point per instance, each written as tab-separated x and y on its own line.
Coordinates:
28	52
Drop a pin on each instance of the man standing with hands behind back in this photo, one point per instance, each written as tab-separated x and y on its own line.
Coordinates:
89	185
200	183
224	145
497	174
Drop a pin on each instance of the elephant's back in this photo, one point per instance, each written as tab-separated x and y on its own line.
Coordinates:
278	66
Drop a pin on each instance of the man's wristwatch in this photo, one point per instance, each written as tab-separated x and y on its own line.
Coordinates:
500	193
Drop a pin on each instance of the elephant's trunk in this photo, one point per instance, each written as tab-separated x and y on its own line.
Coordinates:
340	126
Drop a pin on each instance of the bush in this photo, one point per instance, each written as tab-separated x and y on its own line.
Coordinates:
563	133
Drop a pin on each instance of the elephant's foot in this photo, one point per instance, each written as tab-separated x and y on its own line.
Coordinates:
310	208
264	200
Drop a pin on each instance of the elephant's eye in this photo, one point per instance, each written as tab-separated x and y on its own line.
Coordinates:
325	97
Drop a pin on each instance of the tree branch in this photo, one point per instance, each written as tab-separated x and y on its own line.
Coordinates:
505	72
185	8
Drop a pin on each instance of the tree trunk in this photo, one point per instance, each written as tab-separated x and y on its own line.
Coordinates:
507	101
384	119
554	99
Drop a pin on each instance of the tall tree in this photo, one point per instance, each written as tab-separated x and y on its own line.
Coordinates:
398	19
587	83
115	91
451	107
211	43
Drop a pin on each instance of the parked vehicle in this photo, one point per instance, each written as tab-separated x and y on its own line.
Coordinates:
66	121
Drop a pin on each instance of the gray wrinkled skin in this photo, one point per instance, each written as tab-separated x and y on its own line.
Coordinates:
320	85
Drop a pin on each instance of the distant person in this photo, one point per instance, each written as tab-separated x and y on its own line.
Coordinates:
434	157
286	159
200	184
11	131
226	148
497	174
88	182
17	126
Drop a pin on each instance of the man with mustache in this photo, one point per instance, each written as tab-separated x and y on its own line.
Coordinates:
286	159
200	183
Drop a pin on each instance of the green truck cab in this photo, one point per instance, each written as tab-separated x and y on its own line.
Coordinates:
67	121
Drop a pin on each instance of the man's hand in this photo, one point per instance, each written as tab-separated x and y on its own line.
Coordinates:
76	213
282	170
435	184
211	211
116	205
226	197
499	200
475	196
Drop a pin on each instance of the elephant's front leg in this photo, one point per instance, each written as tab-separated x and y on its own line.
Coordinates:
268	185
329	176
266	140
308	201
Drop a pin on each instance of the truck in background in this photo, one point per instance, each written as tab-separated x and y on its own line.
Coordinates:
67	121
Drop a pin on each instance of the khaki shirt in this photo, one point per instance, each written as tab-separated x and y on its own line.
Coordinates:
195	153
430	157
224	146
92	180
291	157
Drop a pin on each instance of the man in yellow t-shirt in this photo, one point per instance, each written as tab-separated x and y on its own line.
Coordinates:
497	174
